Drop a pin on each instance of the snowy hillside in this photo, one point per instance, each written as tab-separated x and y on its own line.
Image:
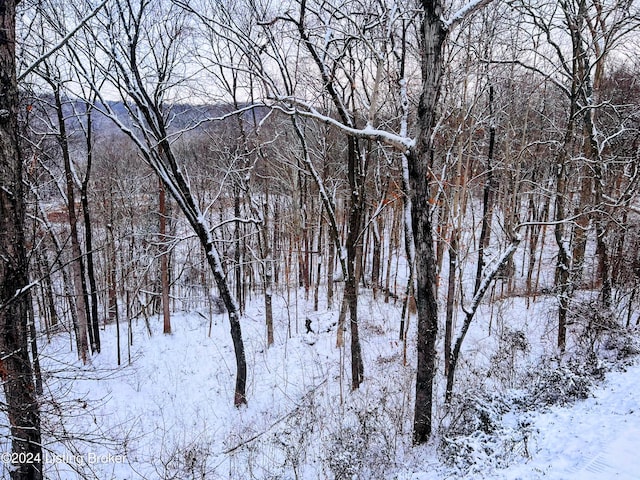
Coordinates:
167	412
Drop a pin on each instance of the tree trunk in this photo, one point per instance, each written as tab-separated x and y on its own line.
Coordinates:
433	33
95	324
534	237
487	197
562	264
33	340
330	272
238	258
316	291
112	288
267	256
376	261
164	260
76	263
470	312
181	192
16	371
451	292
45	274
353	246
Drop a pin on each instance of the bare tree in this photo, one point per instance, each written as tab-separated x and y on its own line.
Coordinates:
318	38
144	53
15	363
579	36
434	31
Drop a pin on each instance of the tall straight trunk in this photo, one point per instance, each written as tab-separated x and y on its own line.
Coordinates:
76	262
443	212
433	35
593	153
268	299
451	292
376	261
277	244
239	270
562	277
603	272
563	284
563	260
45	274
111	284
164	260
266	257
308	247
88	238
16	372
571	256
407	208
487	197
353	246
302	232
33	341
534	236
543	235
268	261
330	271
316	291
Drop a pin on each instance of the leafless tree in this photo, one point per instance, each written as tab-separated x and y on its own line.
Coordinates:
145	56
15	363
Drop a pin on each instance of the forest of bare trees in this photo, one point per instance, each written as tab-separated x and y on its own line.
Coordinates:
187	155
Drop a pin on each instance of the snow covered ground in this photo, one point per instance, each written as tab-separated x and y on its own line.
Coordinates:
167	411
594	439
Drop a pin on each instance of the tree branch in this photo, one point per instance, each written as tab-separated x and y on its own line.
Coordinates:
61	43
464	12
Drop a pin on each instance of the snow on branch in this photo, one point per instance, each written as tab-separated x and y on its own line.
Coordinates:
19	292
617	203
464	12
329	206
219	118
546	75
401	143
491	274
245	221
62	42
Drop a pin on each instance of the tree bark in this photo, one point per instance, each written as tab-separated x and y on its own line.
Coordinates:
377	227
112	288
268	273
164	260
238	257
487	197
451	292
330	272
76	263
353	246
15	364
88	240
433	33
